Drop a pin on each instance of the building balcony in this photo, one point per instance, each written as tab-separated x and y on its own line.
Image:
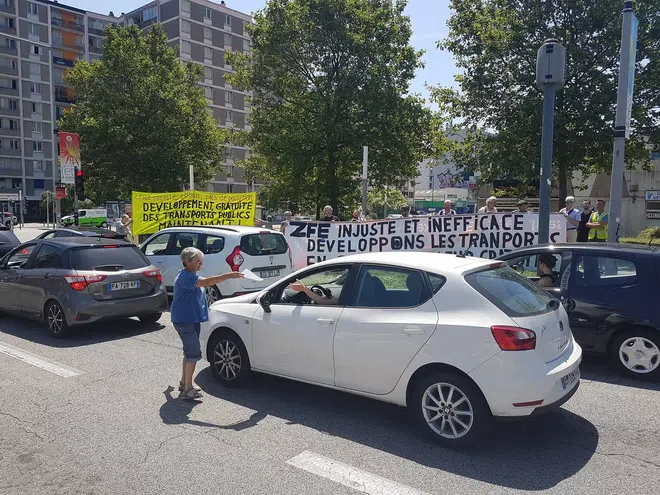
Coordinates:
74	26
58	43
9	9
8	70
6	131
10	51
10	152
9	91
4	28
94	31
10	112
96	49
64	95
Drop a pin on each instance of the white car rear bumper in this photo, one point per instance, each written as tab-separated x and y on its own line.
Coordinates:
518	378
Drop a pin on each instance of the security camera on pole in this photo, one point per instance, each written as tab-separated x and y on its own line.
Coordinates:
550	70
623	110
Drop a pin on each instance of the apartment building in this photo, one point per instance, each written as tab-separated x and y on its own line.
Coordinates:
41	39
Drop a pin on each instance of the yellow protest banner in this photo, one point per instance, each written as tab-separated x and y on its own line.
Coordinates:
155	211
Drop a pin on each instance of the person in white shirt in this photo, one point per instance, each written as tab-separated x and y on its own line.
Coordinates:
572	217
491	206
447	210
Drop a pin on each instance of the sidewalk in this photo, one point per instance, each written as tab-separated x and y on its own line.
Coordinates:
29	231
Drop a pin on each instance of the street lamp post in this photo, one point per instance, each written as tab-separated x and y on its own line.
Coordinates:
550	70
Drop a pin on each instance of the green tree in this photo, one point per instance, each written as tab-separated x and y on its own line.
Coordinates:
141	116
495	43
382	200
330	76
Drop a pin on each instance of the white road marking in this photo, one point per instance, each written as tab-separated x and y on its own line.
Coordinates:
350	476
39	362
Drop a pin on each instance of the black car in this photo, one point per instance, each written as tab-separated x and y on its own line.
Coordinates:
80	232
610	292
8	240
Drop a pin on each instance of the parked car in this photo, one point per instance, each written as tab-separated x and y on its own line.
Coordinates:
8	240
610	293
78	280
91	217
8	219
457	340
264	252
80	232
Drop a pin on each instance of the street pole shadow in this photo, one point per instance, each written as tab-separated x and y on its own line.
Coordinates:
177	411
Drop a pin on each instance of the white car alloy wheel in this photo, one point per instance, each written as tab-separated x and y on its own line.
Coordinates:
212	295
447	410
227	360
639	355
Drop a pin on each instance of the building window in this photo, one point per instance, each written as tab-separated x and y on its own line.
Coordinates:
185	47
13	105
39	166
246	45
10	43
36	107
37	127
227	39
8	22
35	69
14	144
207	33
35	88
37	146
208	92
229	97
230	115
35	49
208	73
228	20
150	13
13	124
208	53
186	6
10	63
185	27
33	8
7	83
33	28
207	13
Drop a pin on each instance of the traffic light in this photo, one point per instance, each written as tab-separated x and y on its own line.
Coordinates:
80	184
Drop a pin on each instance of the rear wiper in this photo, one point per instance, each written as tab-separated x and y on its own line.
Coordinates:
109	267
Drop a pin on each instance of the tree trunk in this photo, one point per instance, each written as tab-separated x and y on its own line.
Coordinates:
563	179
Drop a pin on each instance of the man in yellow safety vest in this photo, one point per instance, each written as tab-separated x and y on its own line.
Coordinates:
598	223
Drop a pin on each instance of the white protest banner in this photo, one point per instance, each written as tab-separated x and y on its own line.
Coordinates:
484	236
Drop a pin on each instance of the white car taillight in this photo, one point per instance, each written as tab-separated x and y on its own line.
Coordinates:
514	338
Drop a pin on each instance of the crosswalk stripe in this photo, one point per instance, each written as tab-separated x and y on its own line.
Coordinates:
350	476
39	362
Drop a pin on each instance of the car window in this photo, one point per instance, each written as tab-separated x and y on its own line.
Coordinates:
184	240
119	257
47	257
212	244
82	213
528	266
67	233
437	281
49	235
386	287
20	257
158	245
601	271
264	244
512	293
332	281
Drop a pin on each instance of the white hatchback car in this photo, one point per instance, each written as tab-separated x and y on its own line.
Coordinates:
457	340
226	248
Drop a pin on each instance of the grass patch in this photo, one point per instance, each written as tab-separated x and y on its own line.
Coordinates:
650	236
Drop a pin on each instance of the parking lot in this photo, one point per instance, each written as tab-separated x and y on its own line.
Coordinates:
98	413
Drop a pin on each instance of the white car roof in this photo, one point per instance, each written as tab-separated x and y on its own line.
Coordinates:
235	229
419	260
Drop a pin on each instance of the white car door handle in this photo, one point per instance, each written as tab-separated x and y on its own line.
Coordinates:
413	331
325	321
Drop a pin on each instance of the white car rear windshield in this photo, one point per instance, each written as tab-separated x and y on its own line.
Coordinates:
512	293
264	244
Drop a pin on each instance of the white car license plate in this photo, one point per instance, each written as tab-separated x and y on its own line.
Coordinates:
570	379
270	273
134	284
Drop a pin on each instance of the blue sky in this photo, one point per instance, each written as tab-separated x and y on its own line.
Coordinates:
428	19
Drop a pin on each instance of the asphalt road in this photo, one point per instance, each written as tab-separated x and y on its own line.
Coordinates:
113	425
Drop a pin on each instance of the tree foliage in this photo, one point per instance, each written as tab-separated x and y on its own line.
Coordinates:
141	116
495	43
330	76
382	200
67	203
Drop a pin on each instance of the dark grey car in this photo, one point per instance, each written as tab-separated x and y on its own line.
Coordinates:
78	280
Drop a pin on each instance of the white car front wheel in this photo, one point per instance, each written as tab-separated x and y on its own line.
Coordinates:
450	409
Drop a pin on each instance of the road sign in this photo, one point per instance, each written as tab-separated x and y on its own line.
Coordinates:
8	196
68	173
60	192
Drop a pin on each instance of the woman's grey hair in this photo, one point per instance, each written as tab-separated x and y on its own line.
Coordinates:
190	254
491	199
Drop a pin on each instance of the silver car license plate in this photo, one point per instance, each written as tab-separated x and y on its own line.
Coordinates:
134	284
270	273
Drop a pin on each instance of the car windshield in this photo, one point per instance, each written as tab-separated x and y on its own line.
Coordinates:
122	257
263	244
512	293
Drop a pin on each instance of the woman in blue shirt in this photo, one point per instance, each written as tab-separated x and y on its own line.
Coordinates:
189	310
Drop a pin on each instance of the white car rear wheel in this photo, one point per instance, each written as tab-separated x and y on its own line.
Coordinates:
450	409
212	295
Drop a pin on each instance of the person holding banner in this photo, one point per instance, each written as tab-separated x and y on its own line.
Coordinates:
189	310
447	210
328	215
491	206
572	217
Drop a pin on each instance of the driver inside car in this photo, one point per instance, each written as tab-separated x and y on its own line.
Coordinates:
298	286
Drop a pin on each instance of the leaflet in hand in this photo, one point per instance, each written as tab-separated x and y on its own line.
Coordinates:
252	276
